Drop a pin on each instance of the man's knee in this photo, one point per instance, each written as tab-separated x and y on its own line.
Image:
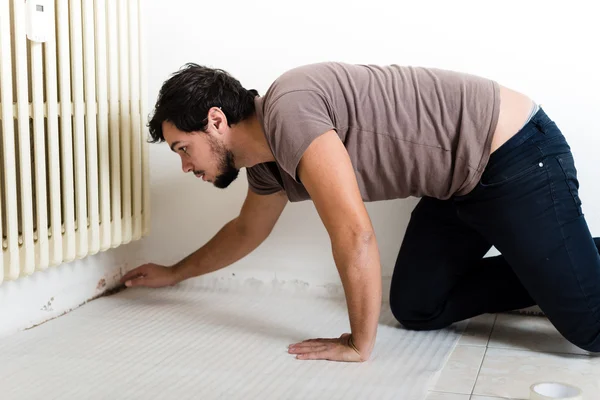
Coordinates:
593	347
413	315
589	342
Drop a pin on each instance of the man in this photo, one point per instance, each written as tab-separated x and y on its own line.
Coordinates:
491	169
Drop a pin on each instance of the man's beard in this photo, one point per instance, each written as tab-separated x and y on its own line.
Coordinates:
228	171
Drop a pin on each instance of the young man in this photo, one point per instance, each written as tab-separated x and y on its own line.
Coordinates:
491	169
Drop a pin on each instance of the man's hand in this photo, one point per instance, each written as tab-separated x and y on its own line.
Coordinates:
150	275
340	349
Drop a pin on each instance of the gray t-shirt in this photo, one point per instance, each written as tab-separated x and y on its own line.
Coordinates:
409	131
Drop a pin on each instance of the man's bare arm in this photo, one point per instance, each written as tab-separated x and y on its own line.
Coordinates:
327	173
238	238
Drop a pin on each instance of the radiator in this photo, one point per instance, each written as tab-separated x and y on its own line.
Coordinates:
73	153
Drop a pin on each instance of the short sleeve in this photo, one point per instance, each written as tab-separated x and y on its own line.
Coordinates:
293	121
261	180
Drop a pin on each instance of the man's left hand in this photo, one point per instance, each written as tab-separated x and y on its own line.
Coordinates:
336	349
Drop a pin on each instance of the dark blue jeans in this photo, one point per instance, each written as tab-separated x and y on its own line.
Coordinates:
527	205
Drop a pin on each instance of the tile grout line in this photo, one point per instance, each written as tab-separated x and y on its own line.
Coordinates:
452	352
471	395
439	391
479	370
545	351
549	351
484	354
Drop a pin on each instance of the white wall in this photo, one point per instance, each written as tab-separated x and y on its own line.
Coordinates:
547	49
542	48
44	295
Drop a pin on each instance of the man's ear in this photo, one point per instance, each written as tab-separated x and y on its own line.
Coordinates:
217	120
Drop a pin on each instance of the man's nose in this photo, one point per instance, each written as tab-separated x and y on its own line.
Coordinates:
186	166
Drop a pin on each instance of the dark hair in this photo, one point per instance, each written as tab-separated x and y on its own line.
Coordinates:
185	98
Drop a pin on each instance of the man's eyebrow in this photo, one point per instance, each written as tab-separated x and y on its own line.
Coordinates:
175	143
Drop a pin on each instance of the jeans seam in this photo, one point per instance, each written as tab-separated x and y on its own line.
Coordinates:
574	196
567	247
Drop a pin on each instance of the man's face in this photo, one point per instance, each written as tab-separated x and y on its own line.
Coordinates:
202	153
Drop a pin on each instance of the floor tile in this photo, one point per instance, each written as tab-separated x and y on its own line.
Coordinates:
531	333
510	373
478	331
446	396
475	397
460	372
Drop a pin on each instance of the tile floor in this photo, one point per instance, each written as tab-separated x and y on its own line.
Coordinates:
501	356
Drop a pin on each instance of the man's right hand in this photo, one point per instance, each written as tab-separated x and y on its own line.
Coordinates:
150	275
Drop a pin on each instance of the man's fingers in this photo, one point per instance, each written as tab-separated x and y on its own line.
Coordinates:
325	349
309	345
320	340
316	355
132	274
139	281
331	354
307	349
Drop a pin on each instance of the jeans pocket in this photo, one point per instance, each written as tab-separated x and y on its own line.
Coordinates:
511	175
569	172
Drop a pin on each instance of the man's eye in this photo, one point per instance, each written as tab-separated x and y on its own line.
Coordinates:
184	149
